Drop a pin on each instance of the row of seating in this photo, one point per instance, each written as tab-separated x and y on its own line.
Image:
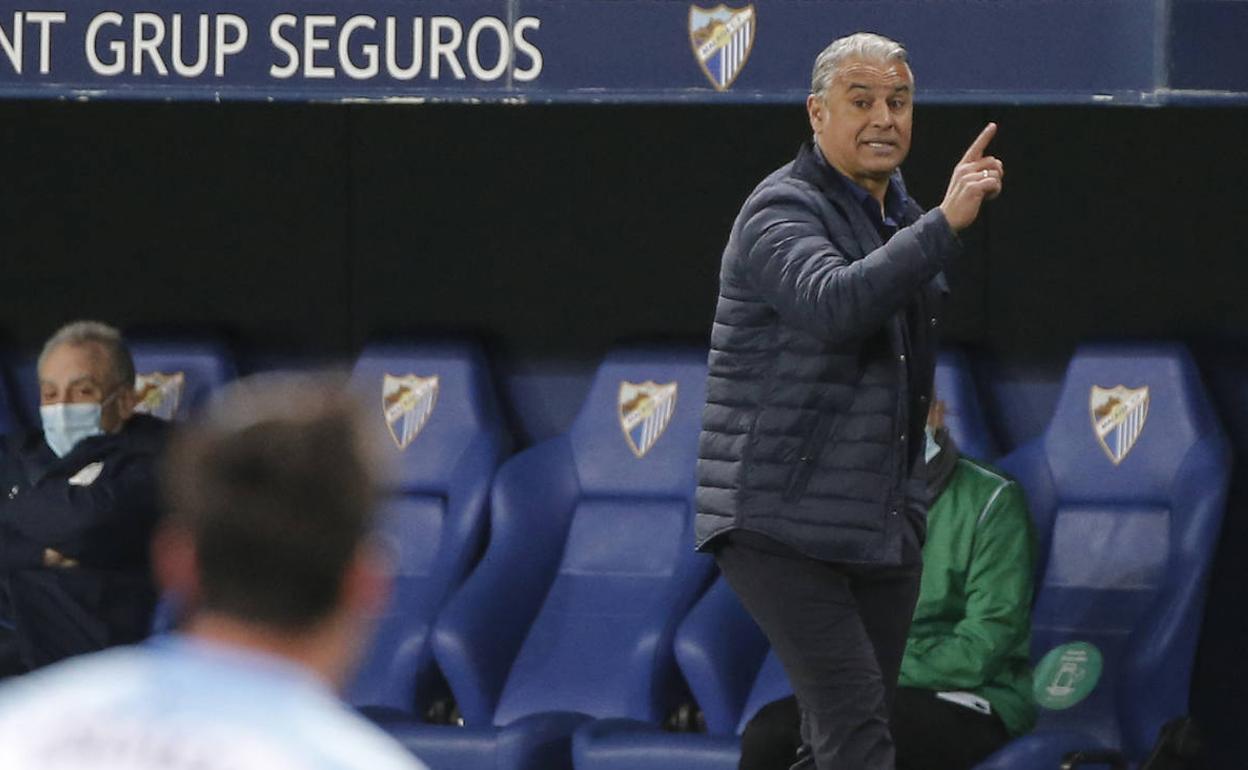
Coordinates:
579	616
574	624
1127	518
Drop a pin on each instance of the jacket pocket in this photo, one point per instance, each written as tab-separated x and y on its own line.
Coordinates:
808	457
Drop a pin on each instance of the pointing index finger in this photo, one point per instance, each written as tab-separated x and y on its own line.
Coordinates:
976	150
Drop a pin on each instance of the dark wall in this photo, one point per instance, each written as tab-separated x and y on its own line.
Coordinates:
560	229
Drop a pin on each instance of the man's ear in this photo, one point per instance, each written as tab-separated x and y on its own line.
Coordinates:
127	400
817	112
366	583
176	564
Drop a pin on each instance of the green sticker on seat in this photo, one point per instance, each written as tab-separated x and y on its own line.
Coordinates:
1066	674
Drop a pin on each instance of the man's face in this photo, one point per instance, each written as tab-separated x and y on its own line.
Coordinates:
83	374
863	120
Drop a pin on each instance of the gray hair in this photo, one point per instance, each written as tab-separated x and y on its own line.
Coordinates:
860	45
94	332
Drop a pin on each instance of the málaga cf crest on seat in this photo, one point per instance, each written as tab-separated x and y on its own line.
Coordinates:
722	38
159	393
1118	416
407	402
645	411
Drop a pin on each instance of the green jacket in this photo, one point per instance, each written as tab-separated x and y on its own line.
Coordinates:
972	625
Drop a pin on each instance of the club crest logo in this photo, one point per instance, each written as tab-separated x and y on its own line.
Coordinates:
722	38
645	411
406	403
1118	416
158	394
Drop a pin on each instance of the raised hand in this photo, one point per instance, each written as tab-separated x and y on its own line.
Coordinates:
976	178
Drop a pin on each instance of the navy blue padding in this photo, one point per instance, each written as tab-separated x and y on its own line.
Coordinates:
204	365
435	513
624	744
8	418
965	416
720	648
771	684
589	569
537	742
1125	547
23	382
192	371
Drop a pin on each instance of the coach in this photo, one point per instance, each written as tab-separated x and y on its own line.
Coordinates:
811	480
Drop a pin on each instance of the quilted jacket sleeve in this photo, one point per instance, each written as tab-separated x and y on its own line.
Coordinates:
790	258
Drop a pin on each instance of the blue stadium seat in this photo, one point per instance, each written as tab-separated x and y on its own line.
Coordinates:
590	567
440	422
964	409
175	378
1127	486
9	422
725	657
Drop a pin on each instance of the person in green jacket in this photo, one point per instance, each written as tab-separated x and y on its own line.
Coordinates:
965	683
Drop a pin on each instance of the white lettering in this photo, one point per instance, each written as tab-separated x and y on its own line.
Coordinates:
440	49
312	44
13	46
201	56
224	46
370	49
392	45
148	45
504	48
528	49
45	20
118	48
285	46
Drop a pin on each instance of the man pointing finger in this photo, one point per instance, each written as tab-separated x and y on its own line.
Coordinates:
811	482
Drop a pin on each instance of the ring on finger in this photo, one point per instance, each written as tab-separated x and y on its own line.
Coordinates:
985	173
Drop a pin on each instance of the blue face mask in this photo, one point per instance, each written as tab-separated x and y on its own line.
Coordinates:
932	449
64	425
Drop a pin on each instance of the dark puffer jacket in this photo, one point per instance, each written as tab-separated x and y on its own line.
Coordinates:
806	430
96	505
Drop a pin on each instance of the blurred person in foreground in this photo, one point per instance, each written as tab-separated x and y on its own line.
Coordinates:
78	506
965	684
271	498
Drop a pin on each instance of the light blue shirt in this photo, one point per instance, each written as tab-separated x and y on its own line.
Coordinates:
177	703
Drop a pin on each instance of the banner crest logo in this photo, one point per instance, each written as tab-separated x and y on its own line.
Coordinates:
722	39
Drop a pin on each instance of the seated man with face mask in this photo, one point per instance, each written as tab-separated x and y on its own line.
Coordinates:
965	684
78	504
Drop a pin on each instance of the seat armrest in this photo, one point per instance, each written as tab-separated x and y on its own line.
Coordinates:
479	632
539	742
720	649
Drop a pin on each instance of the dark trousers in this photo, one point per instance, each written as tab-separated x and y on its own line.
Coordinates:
929	733
839	630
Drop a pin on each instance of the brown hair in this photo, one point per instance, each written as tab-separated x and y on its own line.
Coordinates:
275	487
